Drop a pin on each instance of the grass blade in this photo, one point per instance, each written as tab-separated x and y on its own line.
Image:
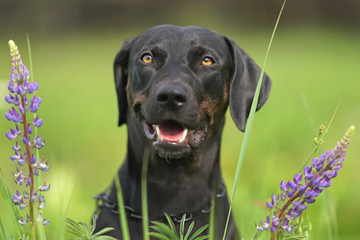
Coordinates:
212	218
40	232
103	231
159	236
122	213
198	232
330	217
312	155
164	230
144	205
250	121
9	203
182	223
2	230
171	224
104	238
189	231
73	227
201	238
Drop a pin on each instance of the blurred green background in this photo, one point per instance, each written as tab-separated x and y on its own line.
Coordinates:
314	64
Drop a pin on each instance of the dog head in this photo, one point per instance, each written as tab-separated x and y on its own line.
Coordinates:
177	82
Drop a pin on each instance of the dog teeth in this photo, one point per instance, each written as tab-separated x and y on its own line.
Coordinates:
158	132
184	135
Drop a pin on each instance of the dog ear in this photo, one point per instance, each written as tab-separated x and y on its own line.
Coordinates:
121	76
245	76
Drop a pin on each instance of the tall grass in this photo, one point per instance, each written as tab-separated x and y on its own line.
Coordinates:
144	203
122	213
250	121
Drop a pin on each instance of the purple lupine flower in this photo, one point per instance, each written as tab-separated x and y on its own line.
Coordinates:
33	196
15	157
13	115
38	142
37	122
22	221
34	104
10	99
44	188
21	160
21	89
10	136
11	83
305	188
284	186
16	147
29	129
32	87
44	221
19	177
43	165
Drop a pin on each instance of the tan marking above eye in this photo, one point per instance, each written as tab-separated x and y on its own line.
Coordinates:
207	61
147	58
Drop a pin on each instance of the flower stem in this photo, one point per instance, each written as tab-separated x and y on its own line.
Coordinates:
31	174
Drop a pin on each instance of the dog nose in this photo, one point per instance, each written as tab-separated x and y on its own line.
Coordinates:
171	95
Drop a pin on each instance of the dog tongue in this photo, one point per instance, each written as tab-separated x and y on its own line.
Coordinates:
171	131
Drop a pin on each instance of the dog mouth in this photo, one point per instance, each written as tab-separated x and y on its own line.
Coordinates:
173	140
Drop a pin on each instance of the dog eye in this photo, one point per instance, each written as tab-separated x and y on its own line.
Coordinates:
207	61
147	58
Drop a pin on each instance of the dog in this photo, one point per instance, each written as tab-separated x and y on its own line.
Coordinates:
174	85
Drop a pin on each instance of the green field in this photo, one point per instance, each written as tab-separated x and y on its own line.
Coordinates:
313	69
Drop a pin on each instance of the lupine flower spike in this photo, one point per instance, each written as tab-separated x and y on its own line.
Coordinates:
304	188
19	97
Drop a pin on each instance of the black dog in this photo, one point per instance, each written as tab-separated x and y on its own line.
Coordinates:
174	85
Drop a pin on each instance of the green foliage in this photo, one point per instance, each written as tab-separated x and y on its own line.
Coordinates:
250	122
5	231
122	212
144	203
168	232
83	232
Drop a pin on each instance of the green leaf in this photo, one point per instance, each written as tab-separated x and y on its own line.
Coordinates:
82	230
165	230
102	231
144	203
189	230
2	230
296	237
93	220
161	231
212	218
9	203
198	232
171	224
182	223
71	222
40	232
159	236
122	212
85	230
202	237
76	228
103	238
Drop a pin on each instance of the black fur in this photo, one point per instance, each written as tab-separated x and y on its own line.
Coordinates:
177	90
